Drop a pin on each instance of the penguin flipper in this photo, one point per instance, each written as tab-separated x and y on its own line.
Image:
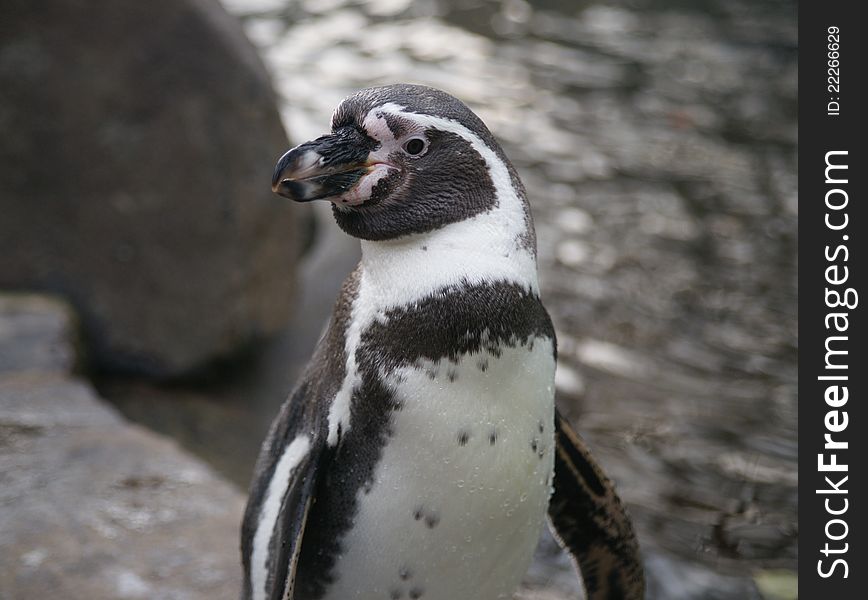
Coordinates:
290	527
590	522
281	495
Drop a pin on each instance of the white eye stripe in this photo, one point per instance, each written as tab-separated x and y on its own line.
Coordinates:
375	126
427	122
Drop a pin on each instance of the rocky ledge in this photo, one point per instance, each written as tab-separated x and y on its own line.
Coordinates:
94	507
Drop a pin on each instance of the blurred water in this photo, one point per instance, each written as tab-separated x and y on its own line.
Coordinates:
657	141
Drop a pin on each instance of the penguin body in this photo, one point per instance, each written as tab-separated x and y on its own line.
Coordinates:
454	501
415	459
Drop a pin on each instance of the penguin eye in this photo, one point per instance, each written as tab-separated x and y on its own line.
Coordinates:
414	146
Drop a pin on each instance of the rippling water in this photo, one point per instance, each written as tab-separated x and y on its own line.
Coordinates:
657	141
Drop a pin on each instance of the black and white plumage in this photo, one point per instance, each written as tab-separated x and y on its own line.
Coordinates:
420	450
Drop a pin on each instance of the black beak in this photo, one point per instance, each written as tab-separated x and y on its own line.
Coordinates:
323	168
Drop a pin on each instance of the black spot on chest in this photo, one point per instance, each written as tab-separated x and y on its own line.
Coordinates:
417	592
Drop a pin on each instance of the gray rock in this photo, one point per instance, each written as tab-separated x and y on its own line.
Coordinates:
93	507
138	143
36	334
96	508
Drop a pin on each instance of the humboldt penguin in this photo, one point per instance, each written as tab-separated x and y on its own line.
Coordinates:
421	451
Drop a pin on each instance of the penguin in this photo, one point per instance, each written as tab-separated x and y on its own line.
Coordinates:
421	451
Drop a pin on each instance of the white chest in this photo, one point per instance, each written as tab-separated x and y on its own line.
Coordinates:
461	489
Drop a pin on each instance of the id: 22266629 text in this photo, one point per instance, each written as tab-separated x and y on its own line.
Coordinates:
833	70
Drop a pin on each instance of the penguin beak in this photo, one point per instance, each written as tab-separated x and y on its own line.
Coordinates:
326	167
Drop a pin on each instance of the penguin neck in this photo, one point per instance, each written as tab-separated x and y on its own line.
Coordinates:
487	248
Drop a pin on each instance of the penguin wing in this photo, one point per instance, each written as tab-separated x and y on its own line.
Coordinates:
282	492
590	522
294	457
290	526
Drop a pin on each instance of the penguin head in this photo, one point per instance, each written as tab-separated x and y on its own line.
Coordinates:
400	160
